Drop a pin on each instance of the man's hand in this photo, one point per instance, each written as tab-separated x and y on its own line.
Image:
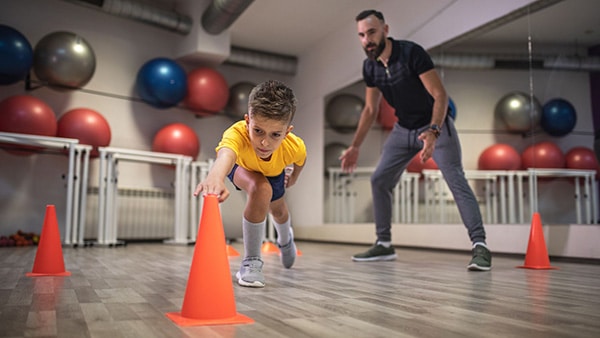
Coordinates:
428	138
349	159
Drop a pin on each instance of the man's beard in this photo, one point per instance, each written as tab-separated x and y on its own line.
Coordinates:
375	53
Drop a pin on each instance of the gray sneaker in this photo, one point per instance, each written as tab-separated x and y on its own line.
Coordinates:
482	259
377	252
250	273
288	253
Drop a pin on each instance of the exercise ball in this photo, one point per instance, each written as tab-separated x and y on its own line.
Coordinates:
177	138
387	115
558	117
333	151
342	112
64	60
416	166
581	158
518	112
499	157
86	125
207	91
26	114
544	154
237	105
16	55
161	82
451	109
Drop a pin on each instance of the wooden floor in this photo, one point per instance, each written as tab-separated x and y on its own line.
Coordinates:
126	292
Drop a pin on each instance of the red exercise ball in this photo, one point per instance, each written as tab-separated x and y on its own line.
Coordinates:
86	125
207	91
582	158
543	155
26	114
387	115
177	138
416	166
499	157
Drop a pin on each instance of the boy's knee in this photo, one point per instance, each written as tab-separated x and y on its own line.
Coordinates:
260	190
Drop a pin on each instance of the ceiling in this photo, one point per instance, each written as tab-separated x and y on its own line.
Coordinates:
290	27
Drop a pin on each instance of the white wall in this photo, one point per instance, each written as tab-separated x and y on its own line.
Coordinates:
122	46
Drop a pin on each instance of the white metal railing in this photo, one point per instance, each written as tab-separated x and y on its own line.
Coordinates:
341	197
107	190
77	177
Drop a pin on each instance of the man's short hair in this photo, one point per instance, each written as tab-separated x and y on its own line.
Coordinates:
364	14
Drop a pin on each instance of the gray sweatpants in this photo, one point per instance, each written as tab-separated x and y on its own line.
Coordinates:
400	147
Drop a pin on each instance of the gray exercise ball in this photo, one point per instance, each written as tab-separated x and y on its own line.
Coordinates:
64	59
343	112
518	112
237	105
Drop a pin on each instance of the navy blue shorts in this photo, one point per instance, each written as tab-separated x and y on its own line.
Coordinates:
277	183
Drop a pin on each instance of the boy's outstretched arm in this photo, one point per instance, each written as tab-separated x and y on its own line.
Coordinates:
214	183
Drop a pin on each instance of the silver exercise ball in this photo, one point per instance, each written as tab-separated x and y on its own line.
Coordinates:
333	151
64	59
237	105
343	112
518	112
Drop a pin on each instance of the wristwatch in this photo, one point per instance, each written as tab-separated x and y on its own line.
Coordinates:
435	129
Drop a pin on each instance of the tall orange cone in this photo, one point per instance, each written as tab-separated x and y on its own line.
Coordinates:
49	259
537	253
209	298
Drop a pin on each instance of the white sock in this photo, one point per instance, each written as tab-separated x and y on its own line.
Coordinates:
283	231
384	244
254	234
480	243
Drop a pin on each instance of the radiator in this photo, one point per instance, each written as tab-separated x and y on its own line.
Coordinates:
144	214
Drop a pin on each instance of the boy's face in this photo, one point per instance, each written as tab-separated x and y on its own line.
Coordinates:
266	134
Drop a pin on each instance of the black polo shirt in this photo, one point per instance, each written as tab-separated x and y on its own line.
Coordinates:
400	83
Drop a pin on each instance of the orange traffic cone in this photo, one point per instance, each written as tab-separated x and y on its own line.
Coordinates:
268	247
49	257
209	298
537	253
231	251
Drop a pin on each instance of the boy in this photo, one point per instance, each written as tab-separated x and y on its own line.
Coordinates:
254	154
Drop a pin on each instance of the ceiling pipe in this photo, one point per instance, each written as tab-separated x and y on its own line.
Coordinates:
221	14
277	63
141	12
483	61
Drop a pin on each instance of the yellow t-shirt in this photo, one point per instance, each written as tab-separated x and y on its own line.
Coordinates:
291	151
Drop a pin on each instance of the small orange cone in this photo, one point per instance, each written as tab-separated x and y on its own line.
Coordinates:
49	259
209	298
268	247
537	253
231	251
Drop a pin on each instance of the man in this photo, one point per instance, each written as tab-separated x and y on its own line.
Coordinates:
402	72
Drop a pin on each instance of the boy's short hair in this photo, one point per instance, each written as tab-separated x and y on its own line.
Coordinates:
368	12
273	100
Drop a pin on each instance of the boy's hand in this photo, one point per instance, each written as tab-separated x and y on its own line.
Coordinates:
209	187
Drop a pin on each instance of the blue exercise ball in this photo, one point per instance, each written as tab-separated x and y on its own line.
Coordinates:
558	117
16	55
451	108
64	60
162	83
